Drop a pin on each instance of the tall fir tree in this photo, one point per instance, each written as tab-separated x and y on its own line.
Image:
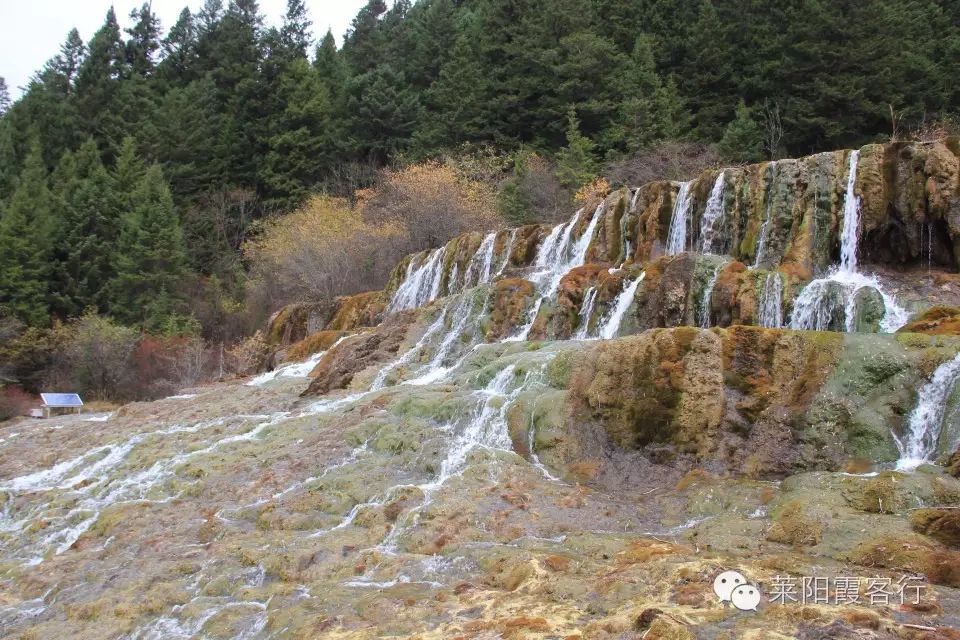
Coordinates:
144	41
26	237
295	35
458	98
708	79
150	262
742	139
179	46
576	163
302	146
82	260
67	63
650	109
384	112
97	87
8	162
330	67
364	40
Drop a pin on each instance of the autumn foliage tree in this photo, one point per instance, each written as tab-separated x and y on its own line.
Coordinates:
330	247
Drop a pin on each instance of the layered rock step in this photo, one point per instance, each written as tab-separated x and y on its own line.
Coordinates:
852	241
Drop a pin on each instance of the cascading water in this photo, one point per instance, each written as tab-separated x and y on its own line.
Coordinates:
611	325
850	234
421	284
712	216
487	429
707	296
424	278
481	265
765	227
437	368
556	256
770	311
506	252
677	234
822	300
293	370
380	381
586	312
926	420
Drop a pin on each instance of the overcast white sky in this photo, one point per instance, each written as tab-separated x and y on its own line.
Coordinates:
31	31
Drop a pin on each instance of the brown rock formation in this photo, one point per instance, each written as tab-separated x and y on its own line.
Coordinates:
338	366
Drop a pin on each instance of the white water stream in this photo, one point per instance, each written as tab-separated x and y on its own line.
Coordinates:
677	234
919	444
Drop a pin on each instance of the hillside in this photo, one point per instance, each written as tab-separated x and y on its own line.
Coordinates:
549	431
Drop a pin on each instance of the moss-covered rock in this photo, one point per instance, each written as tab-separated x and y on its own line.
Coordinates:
935	321
940	524
510	301
338	366
360	310
295	322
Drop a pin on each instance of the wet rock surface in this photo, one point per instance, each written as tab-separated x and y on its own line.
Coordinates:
534	492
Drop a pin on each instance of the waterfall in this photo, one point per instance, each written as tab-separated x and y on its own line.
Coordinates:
707	295
712	215
850	235
506	252
586	312
556	256
435	327
765	227
770	309
293	370
436	369
480	268
611	325
926	419
625	244
421	284
817	305
487	429
677	234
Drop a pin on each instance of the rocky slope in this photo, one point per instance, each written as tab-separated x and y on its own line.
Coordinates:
549	432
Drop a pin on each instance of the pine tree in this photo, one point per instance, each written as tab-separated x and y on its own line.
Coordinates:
295	35
180	51
150	261
8	162
364	41
26	230
67	63
458	99
144	42
650	110
384	112
330	67
743	138
97	83
128	172
708	81
82	259
302	145
187	139
576	163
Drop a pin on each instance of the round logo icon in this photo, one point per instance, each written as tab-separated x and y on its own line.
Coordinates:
746	597
726	582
